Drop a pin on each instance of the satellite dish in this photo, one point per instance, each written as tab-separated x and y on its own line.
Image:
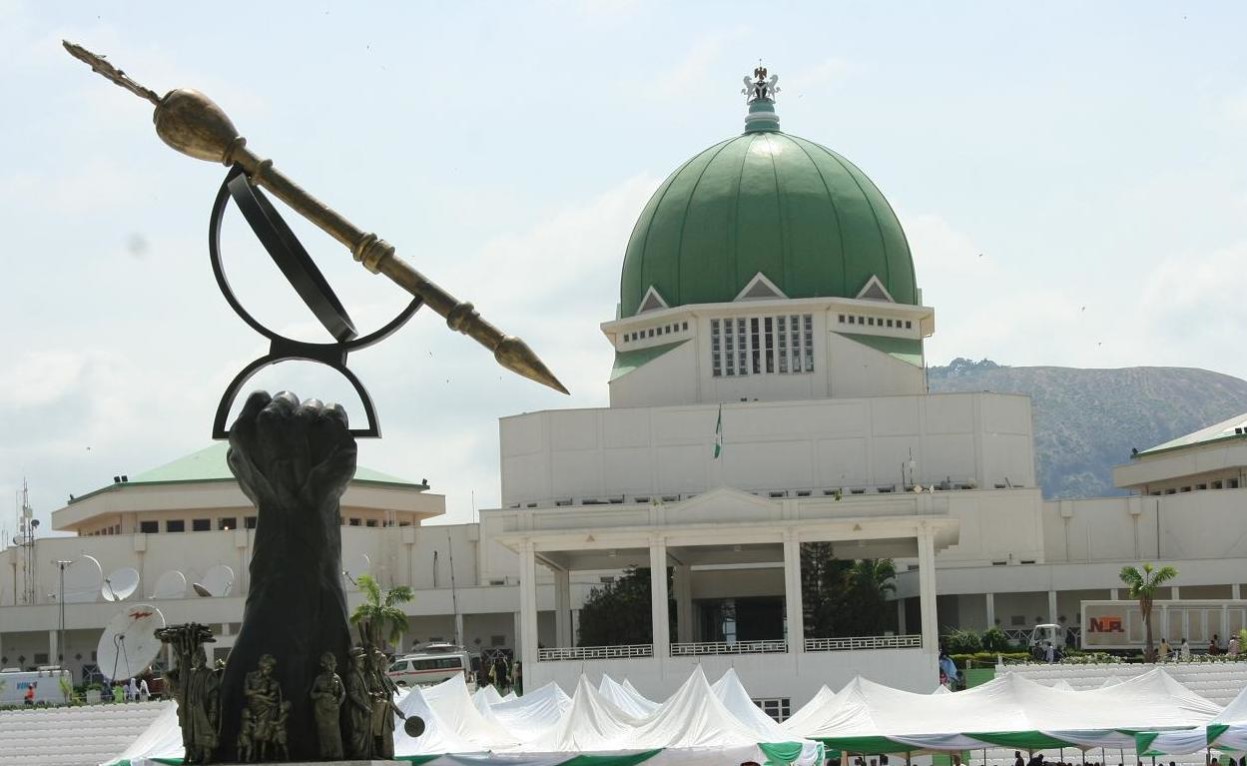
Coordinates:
129	643
357	565
83	579
170	584
120	584
217	581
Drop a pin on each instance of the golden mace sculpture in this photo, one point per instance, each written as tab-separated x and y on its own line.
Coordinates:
193	124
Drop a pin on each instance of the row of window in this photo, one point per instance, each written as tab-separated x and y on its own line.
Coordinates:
761	345
656	332
895	324
225	524
115	529
1218	484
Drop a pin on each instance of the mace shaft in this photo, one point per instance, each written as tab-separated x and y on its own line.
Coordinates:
194	125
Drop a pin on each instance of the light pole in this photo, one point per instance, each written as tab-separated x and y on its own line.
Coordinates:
60	640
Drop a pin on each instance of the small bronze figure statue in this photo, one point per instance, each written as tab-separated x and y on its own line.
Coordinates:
384	709
328	694
359	702
265	713
196	687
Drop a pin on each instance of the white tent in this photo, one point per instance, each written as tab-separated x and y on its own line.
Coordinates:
162	739
531	715
807	718
626	697
729	691
454	706
1227	731
1009	711
438	737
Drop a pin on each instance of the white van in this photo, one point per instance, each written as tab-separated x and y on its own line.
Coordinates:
46	683
432	664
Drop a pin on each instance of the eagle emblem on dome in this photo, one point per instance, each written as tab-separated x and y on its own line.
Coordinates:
760	86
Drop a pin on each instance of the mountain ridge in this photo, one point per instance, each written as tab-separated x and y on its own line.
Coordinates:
1088	419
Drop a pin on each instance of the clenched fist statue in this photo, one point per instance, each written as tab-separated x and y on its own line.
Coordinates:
293	460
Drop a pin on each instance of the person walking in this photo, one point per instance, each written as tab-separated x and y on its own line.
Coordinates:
1184	651
145	692
1163	653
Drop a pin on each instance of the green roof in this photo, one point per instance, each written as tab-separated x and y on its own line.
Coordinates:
802	215
627	361
1233	428
907	350
208	464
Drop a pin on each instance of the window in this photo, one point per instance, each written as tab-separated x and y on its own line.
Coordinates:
370	523
778	708
497	640
175	525
249	522
228	522
149	527
355	522
889	323
685	327
842	319
651	332
909	325
1232	483
1216	485
762	345
201	525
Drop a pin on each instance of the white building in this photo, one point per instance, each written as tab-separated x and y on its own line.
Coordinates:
768	391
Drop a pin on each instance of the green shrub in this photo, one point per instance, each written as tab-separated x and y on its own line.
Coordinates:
962	641
987	659
994	640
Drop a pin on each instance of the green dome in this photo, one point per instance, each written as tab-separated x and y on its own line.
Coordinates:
767	202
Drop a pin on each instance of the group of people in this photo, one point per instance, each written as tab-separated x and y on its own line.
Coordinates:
1166	652
1038	760
134	690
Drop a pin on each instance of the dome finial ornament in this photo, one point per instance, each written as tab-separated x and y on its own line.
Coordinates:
760	87
759	92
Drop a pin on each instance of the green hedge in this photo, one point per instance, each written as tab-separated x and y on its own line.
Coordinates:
986	659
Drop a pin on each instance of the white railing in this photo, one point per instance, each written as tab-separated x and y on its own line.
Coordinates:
722	647
863	642
594	652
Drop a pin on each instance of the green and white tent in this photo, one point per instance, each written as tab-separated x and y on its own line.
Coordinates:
697	726
1227	732
1009	711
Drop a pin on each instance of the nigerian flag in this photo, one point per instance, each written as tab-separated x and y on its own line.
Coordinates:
718	434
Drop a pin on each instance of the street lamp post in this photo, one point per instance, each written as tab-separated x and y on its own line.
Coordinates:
60	640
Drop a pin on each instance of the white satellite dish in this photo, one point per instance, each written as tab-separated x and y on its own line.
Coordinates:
171	584
129	643
120	584
357	565
217	581
83	579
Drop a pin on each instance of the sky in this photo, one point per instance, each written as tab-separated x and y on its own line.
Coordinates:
1072	178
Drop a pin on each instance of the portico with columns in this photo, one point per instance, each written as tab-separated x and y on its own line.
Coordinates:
722	542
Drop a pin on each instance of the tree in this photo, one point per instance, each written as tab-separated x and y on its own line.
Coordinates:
1143	584
845	598
618	613
379	619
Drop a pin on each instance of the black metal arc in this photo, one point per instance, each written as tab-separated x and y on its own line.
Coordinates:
288	253
293	260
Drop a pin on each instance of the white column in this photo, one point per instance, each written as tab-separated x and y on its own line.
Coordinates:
459	637
991	609
1052	609
1175	595
1235	592
1112	594
926	591
682	583
562	607
52	647
528	607
658	591
792	592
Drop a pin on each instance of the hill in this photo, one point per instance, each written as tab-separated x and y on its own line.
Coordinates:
1087	421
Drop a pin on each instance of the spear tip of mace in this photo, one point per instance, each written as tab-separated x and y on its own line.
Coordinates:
516	356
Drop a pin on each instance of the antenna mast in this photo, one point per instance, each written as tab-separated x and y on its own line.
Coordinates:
25	540
454	598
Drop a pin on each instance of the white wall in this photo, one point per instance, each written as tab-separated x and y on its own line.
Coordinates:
831	443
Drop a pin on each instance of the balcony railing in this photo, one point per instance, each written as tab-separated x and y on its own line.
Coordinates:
594	652
863	642
735	647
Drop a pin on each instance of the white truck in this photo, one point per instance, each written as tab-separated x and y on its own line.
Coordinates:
45	685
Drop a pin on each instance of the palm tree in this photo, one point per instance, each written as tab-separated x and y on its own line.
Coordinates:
379	618
1143	585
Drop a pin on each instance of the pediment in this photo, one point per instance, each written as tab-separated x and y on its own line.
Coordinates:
725	504
760	289
653	301
874	290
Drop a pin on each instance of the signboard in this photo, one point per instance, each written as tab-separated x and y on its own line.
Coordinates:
1119	624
